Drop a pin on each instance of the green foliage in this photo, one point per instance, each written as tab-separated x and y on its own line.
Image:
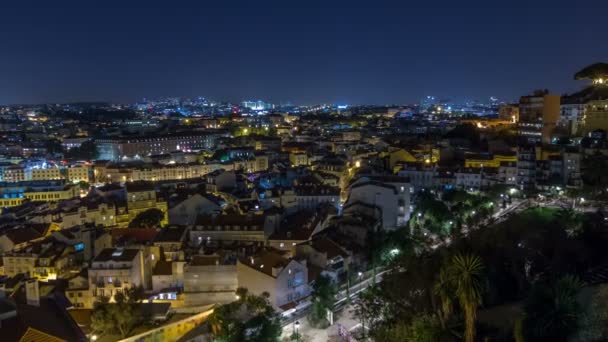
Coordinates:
551	311
323	299
147	219
594	320
53	146
424	328
596	70
117	318
465	132
460	280
251	318
594	171
84	185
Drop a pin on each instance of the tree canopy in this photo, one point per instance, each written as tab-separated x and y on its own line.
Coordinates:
593	71
250	318
150	218
118	318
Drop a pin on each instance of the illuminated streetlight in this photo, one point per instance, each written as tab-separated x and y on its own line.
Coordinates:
94	338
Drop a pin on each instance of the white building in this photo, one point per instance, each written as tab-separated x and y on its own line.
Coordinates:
186	211
116	269
286	280
208	281
391	194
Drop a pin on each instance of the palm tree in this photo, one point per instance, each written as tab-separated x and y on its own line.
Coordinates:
465	277
552	312
442	289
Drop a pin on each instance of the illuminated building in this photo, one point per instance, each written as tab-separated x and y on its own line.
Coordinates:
127	148
539	114
13	194
257	105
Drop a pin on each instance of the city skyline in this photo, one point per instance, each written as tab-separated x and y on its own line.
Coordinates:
396	53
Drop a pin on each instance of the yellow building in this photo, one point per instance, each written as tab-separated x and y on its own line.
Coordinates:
478	161
45	174
397	155
539	114
298	159
16	193
79	174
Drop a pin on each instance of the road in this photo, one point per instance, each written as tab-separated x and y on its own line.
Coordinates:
343	315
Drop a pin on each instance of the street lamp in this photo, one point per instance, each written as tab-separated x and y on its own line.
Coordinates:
296	327
93	337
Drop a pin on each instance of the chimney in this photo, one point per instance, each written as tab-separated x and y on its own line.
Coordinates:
32	292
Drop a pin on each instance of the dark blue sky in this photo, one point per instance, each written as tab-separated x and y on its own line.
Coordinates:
306	52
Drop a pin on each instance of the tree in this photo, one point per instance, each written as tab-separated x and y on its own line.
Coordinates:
593	71
250	318
551	311
442	289
323	299
368	308
465	276
119	317
594	321
571	221
147	219
53	146
86	151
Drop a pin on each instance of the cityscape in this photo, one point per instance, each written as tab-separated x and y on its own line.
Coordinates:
195	209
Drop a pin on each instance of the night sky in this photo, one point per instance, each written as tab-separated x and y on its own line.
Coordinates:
305	52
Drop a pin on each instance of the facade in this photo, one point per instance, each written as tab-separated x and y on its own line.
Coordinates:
286	280
228	229
13	194
208	281
390	194
141	196
186	212
128	148
116	269
539	114
526	167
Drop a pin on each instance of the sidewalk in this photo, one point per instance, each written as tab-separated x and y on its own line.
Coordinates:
310	334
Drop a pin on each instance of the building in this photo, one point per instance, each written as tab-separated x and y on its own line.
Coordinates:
298	159
186	211
126	148
286	280
324	253
142	196
526	167
116	269
509	112
207	280
311	196
13	194
539	114
228	229
391	194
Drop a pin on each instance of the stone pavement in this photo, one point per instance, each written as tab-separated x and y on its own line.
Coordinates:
309	334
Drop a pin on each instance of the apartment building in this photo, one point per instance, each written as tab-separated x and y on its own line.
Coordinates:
286	280
115	270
